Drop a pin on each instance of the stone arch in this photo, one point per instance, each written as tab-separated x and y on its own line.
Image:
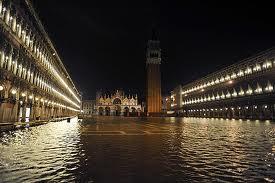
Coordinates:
133	109
118	110
2	92
126	111
107	111
100	111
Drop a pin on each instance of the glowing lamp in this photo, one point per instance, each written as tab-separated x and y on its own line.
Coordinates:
13	92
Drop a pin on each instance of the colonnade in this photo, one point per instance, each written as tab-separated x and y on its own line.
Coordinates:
21	105
34	84
236	112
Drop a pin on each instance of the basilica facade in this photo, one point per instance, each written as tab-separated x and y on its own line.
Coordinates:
117	104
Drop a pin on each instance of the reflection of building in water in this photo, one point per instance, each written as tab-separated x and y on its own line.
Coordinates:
88	107
166	104
117	104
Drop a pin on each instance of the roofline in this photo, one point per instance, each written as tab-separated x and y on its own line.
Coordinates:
45	34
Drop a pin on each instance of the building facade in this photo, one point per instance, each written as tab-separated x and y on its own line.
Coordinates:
244	90
153	82
89	107
34	83
118	104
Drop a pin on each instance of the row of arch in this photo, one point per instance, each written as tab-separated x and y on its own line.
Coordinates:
234	93
118	111
35	72
243	70
24	104
263	111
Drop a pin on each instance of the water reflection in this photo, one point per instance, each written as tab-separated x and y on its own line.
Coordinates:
141	150
43	153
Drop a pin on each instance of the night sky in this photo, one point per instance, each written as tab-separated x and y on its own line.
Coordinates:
103	45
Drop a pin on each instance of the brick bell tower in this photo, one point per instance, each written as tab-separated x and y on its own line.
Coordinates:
153	84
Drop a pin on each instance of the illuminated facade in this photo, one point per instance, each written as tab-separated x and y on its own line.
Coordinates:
243	90
153	82
117	104
88	107
34	83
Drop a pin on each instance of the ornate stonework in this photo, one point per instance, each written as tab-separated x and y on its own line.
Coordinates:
117	104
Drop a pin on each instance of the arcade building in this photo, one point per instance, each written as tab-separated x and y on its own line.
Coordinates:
244	90
34	84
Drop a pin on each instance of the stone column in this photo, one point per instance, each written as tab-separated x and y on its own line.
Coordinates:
42	111
24	112
45	112
6	109
52	112
33	111
15	116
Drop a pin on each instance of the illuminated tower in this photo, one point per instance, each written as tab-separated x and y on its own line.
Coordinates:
153	61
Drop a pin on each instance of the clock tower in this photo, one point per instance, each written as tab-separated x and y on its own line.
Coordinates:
153	84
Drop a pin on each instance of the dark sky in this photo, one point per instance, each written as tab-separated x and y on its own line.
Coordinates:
103	45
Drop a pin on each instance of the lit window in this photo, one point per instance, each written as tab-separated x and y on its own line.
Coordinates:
227	77
212	82
248	70
217	81
222	79
249	90
269	87
257	67
233	76
208	98
228	95
213	97
267	64
258	89
218	96
234	94
222	95
241	93
240	73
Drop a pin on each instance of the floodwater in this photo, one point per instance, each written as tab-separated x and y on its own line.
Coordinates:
113	149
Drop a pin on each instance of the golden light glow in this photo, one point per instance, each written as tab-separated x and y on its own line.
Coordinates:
13	92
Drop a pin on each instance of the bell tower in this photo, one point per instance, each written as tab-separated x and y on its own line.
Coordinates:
153	84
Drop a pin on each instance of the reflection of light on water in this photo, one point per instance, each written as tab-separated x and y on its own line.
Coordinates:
268	179
37	150
172	119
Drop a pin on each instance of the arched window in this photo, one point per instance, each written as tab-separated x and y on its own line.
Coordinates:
241	92
117	101
269	87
